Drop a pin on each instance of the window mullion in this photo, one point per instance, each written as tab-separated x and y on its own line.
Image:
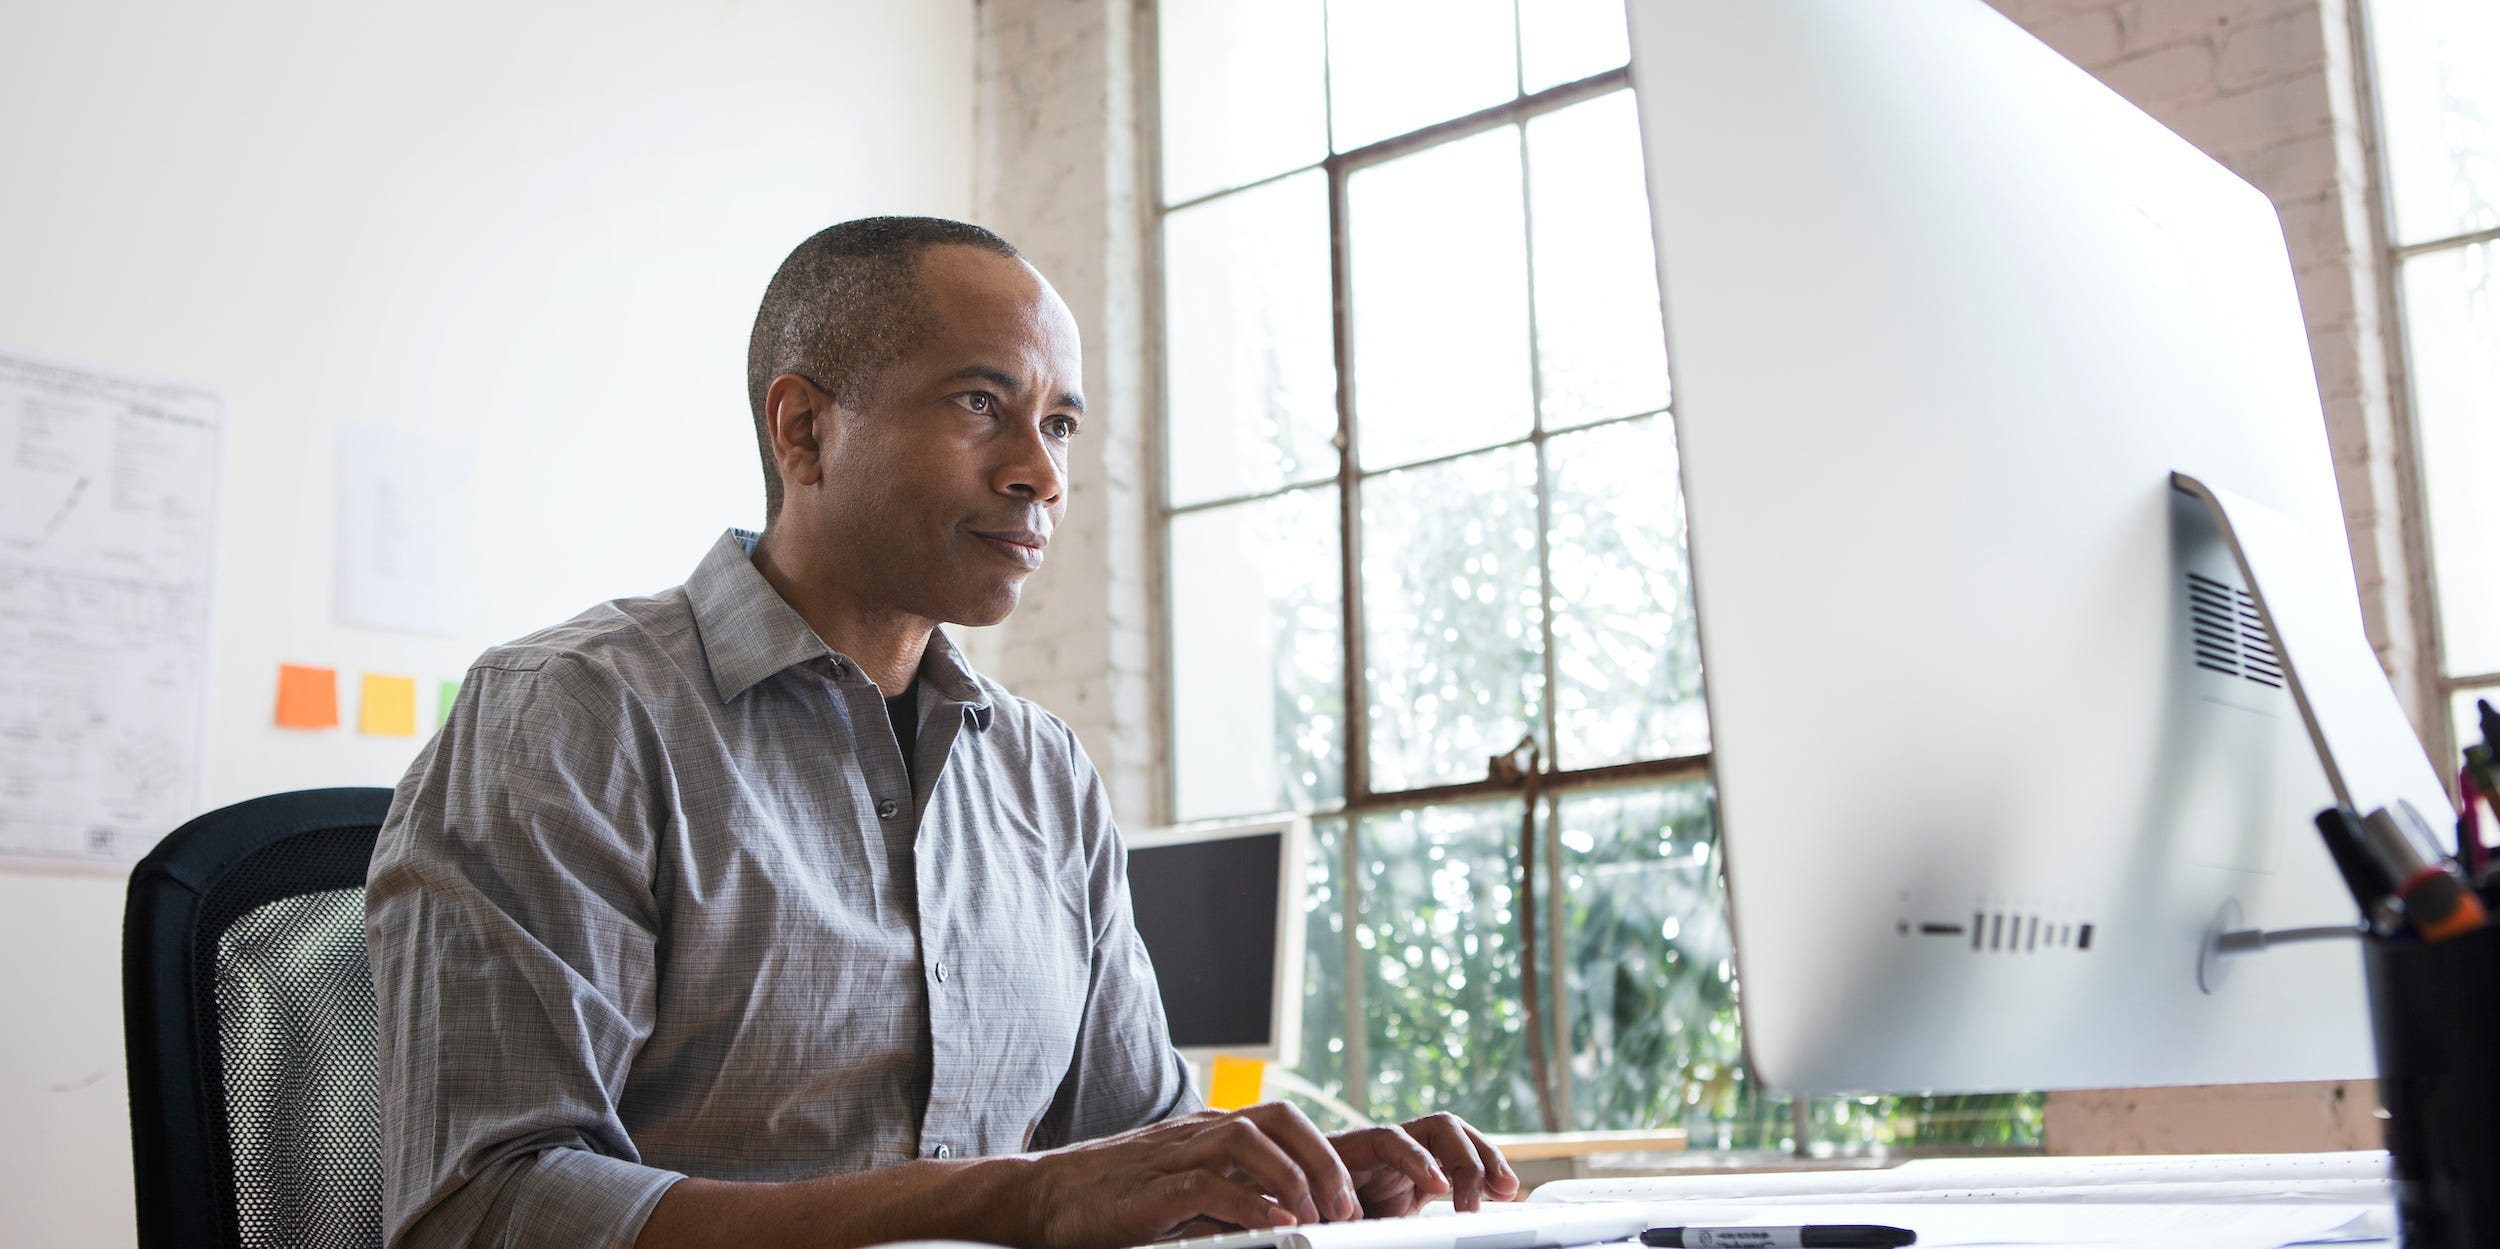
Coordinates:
1357	704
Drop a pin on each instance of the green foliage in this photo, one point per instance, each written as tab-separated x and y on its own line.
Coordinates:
1648	979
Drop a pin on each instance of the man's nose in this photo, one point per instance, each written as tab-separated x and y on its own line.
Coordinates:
1033	474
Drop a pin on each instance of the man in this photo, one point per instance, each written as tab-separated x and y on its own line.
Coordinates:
747	914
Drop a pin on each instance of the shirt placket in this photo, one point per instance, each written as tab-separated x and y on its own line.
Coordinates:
948	1124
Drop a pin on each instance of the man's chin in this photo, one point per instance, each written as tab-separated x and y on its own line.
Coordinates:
989	609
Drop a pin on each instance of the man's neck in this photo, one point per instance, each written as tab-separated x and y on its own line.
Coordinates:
886	644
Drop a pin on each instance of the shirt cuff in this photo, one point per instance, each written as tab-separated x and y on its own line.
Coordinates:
562	1196
576	1197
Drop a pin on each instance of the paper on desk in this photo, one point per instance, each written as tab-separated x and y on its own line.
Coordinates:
2074	1225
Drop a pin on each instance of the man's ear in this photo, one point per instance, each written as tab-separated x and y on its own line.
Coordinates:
799	417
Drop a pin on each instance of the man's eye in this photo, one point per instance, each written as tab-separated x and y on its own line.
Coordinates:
1061	427
980	403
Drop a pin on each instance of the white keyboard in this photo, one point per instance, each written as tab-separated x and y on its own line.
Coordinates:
1523	1225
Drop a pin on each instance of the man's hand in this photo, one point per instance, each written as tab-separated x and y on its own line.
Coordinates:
1266	1166
1208	1172
1396	1170
1263	1167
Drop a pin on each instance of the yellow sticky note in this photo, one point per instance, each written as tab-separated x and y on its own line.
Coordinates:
389	707
1236	1082
308	697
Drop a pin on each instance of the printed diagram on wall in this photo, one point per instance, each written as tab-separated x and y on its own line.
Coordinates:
108	536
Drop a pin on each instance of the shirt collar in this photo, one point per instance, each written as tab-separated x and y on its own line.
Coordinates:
749	632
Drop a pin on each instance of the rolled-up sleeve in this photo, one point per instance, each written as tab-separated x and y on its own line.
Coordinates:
1125	1073
511	923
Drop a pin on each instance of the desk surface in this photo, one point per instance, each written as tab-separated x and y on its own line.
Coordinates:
2239	1200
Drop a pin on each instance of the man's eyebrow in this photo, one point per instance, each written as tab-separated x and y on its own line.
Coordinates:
1006	381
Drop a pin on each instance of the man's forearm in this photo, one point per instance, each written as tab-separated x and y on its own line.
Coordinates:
981	1199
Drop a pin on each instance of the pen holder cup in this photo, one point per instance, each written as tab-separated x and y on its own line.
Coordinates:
2435	1013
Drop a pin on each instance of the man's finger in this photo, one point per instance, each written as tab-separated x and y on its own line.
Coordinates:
1456	1148
1367	1148
1173	1200
1499	1179
1389	1194
1239	1145
1332	1187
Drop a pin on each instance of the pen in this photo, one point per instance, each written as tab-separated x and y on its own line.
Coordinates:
2370	884
1829	1236
2437	905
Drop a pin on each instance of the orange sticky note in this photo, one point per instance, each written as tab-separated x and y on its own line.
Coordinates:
308	698
389	707
1236	1082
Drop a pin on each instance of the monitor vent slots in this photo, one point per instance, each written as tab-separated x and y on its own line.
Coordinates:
2229	635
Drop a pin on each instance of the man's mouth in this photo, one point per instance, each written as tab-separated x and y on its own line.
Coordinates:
1023	546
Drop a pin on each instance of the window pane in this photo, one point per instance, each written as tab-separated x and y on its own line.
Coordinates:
1258	657
1397	65
1440	945
1649	964
1440	301
1243	92
1627	659
2452	315
2439	101
1452	658
1600	346
1250	352
1565	40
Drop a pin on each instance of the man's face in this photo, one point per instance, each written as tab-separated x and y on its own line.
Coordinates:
943	489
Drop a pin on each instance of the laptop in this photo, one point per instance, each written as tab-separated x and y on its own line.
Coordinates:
1500	1225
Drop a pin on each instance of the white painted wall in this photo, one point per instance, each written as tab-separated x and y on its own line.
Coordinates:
540	230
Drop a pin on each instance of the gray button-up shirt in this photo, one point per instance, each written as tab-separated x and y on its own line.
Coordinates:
660	900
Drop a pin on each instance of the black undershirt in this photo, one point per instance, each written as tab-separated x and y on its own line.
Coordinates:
903	712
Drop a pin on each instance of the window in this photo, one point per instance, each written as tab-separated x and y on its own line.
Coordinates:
2439	118
1421	504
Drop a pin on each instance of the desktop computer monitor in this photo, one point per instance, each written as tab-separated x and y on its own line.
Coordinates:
1219	907
1999	730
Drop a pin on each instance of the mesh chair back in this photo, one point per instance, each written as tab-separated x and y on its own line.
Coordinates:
248	1006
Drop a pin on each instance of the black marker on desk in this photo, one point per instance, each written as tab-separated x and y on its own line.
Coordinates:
1824	1236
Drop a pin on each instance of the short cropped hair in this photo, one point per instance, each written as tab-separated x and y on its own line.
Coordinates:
843	306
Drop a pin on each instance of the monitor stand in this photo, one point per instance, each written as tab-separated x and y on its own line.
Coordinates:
2371	754
2370	751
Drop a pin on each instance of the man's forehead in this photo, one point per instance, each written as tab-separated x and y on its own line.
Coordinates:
988	304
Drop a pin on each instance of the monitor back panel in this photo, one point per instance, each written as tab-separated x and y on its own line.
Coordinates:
1995	732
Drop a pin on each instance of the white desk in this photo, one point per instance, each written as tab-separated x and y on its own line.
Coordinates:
2239	1201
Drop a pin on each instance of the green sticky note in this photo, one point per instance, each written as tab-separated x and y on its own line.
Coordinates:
450	695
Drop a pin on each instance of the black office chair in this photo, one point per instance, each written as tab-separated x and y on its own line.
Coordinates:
248	1008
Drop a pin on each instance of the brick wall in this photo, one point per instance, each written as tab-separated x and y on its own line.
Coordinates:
1056	171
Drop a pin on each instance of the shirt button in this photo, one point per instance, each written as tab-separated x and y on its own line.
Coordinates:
888	809
942	1152
941	973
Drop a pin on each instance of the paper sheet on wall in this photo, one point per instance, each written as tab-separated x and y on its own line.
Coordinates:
108	537
405	532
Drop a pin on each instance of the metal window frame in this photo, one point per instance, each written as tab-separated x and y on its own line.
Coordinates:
1361	800
2435	681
